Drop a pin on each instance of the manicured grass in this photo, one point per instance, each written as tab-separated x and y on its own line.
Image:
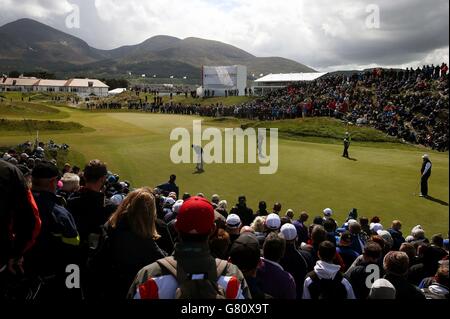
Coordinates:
381	180
19	109
34	125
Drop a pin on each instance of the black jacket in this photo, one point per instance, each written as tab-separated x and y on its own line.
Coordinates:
357	276
404	290
129	253
244	213
298	264
91	210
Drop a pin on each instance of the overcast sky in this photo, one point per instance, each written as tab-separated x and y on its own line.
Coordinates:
324	34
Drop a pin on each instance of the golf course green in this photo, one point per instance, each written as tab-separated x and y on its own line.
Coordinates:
382	179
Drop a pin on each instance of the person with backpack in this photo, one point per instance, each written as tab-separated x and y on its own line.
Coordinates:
246	254
58	242
89	206
129	244
192	272
326	281
357	275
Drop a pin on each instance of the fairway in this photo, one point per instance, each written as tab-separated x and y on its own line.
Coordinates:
381	180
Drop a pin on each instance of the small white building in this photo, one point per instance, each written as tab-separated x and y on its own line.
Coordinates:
224	78
81	87
274	82
87	87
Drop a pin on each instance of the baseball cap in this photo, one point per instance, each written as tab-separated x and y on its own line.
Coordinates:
289	232
196	217
169	201
387	237
382	289
117	199
245	252
176	207
45	170
273	222
233	221
426	156
328	212
375	227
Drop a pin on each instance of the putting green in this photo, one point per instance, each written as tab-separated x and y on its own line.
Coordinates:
382	181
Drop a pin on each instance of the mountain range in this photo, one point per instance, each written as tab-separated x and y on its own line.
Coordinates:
28	45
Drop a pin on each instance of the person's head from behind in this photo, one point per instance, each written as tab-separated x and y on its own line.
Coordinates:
375	220
364	221
215	199
245	254
195	220
290	214
274	247
442	276
262	206
396	263
437	240
71	183
330	225
372	252
354	228
138	211
219	243
318	235
222	205
45	177
258	224
418	233
304	217
397	225
186	196
277	208
172	179
76	170
242	201
327	251
234	224
95	174
409	250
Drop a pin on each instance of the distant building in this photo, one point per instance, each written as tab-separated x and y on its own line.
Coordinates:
274	82
220	80
81	87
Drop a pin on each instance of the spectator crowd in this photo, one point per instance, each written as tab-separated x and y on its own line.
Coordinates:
410	104
158	243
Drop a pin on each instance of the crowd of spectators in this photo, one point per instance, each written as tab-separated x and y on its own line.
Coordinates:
153	243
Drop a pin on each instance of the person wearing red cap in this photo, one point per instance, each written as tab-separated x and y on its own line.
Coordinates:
192	261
